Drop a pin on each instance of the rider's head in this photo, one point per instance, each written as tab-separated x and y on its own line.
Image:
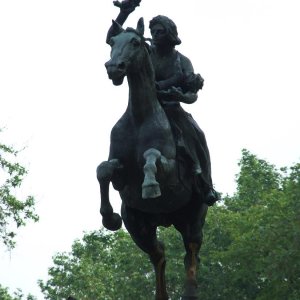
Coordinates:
164	31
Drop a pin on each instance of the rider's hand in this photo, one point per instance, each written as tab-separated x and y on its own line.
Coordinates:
127	6
176	93
172	94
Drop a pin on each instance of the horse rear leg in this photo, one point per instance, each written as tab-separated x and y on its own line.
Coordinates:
143	234
157	257
191	231
105	173
191	262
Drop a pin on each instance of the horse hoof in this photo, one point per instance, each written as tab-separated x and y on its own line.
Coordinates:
190	296
165	297
112	222
151	191
190	291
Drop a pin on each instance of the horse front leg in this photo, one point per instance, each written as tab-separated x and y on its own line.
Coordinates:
154	158
150	187
105	173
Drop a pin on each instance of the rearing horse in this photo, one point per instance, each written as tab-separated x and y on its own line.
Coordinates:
156	188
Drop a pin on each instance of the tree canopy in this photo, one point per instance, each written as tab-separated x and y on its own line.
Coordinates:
14	211
250	250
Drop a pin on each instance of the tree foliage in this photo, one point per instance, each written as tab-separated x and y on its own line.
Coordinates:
106	265
256	255
17	295
250	250
99	266
14	212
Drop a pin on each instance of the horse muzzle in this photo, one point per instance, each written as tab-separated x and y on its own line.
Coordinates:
116	72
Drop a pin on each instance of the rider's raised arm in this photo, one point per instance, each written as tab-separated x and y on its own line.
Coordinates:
126	8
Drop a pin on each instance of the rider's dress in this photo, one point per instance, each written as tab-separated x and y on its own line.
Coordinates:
190	139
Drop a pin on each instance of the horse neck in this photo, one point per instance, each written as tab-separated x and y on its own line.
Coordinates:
142	92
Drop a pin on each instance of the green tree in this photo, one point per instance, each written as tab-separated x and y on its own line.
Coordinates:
4	294
100	266
252	242
14	212
109	266
17	295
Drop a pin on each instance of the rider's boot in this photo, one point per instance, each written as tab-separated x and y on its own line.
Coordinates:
210	195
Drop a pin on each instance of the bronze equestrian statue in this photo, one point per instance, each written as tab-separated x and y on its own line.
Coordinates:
158	160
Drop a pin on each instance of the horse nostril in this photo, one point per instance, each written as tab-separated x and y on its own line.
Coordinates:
121	66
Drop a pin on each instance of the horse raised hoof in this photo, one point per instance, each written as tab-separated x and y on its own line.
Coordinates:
151	190
112	222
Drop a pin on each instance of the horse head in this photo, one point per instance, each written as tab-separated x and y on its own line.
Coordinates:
126	51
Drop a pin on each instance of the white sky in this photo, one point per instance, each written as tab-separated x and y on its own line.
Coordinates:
56	99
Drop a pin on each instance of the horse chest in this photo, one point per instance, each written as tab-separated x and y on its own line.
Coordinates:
124	140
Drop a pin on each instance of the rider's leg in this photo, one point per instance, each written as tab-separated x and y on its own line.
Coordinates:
200	155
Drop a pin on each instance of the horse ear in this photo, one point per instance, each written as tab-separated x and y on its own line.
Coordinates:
117	28
140	26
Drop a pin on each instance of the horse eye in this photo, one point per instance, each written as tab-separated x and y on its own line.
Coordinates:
111	42
135	42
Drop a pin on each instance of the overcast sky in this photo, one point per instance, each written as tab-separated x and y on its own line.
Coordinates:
56	100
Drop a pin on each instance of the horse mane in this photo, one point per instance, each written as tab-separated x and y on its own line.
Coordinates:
130	29
146	46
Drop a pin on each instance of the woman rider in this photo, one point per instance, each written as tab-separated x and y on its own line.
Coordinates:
176	82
